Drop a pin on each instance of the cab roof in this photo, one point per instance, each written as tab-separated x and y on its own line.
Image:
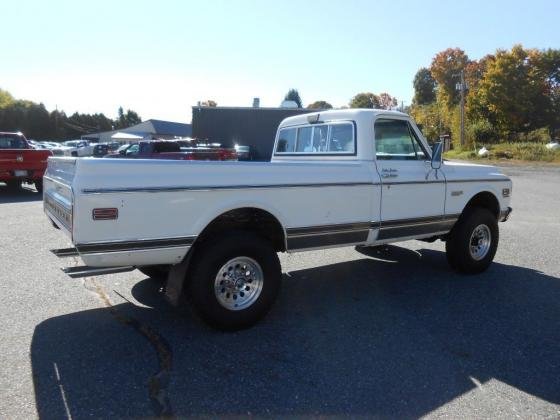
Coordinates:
339	114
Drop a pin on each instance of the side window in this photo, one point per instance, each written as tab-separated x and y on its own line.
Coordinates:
342	138
394	140
133	150
286	140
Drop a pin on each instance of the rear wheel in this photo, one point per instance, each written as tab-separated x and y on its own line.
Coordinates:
234	280
473	242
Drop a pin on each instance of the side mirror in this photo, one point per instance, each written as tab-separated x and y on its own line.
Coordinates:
437	155
122	152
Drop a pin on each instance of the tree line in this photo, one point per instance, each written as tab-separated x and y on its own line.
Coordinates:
361	100
509	95
36	122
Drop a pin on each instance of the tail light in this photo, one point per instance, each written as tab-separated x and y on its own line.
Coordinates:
105	213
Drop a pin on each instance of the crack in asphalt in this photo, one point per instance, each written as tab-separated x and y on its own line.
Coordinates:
159	382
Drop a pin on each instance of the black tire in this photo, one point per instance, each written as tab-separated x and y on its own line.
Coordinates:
212	256
155	272
39	185
460	239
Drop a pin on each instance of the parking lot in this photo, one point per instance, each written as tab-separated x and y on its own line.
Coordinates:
386	332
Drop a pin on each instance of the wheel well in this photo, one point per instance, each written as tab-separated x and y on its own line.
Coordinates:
485	200
249	219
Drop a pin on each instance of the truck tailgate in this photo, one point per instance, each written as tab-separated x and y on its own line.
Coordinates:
23	162
58	198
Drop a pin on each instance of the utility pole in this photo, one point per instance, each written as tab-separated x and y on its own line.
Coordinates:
462	108
462	86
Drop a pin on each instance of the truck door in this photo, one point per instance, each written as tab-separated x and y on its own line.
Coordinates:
412	193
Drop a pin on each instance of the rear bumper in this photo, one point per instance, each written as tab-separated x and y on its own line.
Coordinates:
29	175
504	214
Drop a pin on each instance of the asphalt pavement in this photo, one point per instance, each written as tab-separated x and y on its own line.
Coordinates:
388	332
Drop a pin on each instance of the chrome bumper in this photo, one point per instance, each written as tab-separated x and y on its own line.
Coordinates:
504	214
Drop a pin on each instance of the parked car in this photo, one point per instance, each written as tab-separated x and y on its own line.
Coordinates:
120	151
171	149
19	162
78	148
201	150
100	150
213	229
243	152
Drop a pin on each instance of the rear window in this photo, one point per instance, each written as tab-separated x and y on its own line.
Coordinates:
334	138
12	141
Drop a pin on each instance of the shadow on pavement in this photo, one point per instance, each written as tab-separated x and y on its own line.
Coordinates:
394	334
20	195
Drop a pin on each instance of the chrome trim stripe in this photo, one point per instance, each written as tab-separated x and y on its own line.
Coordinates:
86	271
414	230
220	187
318	230
327	239
101	247
479	180
412	182
268	186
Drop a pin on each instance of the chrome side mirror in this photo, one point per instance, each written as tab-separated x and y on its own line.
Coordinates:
437	155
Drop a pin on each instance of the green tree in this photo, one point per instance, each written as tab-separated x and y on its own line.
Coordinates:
293	95
5	98
424	87
127	119
512	94
319	105
210	103
365	100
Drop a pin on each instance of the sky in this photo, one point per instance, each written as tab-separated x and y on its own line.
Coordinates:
161	57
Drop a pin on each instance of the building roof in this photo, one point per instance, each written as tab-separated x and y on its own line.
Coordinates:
160	127
148	127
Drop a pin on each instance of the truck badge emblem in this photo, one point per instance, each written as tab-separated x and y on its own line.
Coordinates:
19	158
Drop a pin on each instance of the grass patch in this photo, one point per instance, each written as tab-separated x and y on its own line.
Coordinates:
524	151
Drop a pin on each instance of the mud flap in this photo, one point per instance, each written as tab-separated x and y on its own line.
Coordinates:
176	280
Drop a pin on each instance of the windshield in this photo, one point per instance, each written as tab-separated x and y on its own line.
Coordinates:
12	141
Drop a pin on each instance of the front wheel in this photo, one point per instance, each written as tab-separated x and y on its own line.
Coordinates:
234	280
473	241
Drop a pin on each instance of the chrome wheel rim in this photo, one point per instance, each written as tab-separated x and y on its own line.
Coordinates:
480	241
239	283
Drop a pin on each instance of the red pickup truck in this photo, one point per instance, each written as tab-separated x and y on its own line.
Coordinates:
19	162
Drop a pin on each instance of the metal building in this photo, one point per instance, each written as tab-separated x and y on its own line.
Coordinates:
245	126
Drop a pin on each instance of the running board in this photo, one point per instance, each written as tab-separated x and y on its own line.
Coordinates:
87	271
65	252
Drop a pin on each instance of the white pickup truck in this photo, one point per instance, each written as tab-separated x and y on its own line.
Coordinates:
212	230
